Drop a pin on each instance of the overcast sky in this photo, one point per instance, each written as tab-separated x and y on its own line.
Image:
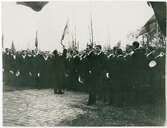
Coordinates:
112	21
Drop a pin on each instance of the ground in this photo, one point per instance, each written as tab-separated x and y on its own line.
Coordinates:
34	107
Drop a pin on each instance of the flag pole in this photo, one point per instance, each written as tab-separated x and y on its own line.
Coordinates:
91	31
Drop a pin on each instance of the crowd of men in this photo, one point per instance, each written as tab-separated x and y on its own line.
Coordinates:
133	76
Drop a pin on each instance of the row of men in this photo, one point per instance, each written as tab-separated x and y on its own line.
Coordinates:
117	76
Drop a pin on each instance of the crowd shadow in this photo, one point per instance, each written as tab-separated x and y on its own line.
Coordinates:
109	115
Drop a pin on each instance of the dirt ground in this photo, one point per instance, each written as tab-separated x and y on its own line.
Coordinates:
33	107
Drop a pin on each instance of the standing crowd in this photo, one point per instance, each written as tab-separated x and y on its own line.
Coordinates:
133	76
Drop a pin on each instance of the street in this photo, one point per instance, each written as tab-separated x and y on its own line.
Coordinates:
33	107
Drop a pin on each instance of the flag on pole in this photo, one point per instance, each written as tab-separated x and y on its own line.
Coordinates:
64	33
159	9
36	40
35	5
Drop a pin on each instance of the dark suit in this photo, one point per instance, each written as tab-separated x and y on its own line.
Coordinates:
58	72
36	66
7	66
45	72
22	65
139	65
95	71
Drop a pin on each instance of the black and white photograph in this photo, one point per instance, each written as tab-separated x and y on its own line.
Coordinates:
83	63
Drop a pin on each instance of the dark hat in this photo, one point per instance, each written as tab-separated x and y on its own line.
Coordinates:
64	50
89	46
55	52
98	46
135	44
